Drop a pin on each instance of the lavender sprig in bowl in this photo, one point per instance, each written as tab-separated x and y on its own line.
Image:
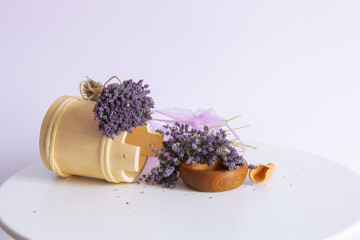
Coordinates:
190	146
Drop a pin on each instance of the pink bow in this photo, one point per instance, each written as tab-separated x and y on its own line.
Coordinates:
197	119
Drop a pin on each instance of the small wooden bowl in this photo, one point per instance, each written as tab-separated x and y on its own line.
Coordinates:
212	179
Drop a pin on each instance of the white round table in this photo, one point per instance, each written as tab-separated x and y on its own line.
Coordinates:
308	197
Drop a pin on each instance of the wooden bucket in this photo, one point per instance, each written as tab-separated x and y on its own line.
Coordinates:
72	144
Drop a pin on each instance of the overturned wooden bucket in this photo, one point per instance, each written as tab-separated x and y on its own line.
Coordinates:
71	144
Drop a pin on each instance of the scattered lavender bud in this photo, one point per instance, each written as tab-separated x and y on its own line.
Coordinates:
252	166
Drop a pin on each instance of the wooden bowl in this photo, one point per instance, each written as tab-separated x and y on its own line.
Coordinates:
212	179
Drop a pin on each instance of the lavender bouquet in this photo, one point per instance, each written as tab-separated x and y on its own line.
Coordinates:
121	107
189	145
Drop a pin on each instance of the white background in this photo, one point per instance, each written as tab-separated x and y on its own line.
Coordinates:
291	68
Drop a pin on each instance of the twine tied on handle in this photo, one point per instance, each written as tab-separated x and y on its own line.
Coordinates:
90	89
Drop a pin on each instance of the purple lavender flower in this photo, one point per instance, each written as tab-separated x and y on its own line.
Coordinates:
252	166
122	107
187	145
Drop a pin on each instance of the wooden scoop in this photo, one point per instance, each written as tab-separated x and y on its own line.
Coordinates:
262	173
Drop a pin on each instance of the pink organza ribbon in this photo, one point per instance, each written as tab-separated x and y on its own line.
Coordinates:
197	119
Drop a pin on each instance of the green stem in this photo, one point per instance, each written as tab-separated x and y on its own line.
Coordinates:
238	144
238	128
233	118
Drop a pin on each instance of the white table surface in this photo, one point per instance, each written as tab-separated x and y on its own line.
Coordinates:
308	197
